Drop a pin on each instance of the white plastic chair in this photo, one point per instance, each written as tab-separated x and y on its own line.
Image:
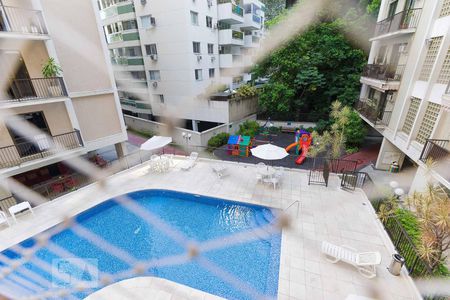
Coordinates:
20	207
190	162
4	218
365	262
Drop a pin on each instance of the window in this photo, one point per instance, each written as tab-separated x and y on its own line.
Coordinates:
210	48
198	74
429	119
138	75
411	115
208	21
151	49
445	10
444	75
154	75
212	73
133	51
147	21
161	98
194	18
196	47
130	24
430	58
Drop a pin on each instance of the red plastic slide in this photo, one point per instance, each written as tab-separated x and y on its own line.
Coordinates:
301	158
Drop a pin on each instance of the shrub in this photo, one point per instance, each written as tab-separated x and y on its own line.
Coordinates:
217	141
354	130
246	91
249	127
351	150
322	125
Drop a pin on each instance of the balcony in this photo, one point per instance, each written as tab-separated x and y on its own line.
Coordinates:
229	12
438	151
374	114
127	61
122	36
22	90
20	20
252	22
402	22
41	147
251	41
115	10
386	77
231	37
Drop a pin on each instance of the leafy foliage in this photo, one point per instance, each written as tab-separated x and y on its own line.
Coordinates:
246	91
274	8
51	68
432	209
249	127
354	131
346	131
218	140
311	71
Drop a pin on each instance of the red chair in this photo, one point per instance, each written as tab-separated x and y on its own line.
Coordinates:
70	183
57	187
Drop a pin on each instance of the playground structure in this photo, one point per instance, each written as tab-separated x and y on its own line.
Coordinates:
302	143
239	145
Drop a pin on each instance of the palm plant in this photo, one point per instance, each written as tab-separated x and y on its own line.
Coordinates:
51	68
432	208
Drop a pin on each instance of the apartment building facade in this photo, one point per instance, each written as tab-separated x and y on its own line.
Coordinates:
405	91
77	112
168	55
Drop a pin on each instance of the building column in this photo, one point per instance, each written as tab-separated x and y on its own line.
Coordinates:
121	149
388	154
195	125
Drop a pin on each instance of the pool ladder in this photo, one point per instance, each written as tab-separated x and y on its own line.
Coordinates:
297	202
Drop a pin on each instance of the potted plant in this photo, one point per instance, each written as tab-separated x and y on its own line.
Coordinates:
51	70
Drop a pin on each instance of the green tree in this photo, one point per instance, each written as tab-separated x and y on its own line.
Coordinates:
310	72
354	131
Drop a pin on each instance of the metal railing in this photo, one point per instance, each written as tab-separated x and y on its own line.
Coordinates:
236	9
403	20
373	113
35	88
41	146
21	20
435	149
383	72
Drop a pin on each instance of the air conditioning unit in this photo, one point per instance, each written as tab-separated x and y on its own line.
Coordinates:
154	57
199	57
143	2
155	84
153	21
213	58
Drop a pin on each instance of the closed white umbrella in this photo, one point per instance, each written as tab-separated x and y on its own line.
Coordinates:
269	152
156	142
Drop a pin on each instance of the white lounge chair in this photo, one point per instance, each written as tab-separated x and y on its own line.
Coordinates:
365	262
190	162
15	209
4	218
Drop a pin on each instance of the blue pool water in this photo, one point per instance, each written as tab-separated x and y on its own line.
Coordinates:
199	218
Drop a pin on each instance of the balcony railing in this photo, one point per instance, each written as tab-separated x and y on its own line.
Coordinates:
376	115
40	147
435	149
35	88
15	19
403	20
384	72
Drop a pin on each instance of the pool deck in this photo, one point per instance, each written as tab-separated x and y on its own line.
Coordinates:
326	213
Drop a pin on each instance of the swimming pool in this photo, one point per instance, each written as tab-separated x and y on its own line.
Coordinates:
199	218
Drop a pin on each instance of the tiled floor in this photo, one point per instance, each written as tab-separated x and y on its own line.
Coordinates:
325	214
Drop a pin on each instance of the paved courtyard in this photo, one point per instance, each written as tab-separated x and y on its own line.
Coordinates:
326	213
